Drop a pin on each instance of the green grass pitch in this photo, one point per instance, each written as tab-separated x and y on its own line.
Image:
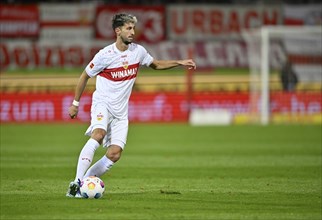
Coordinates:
168	171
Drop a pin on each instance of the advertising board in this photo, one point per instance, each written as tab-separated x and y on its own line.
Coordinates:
19	21
150	107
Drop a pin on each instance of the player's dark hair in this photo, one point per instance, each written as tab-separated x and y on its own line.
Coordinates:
120	19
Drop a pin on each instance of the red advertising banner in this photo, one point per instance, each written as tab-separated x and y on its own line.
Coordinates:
149	107
150	27
29	55
296	103
221	53
19	21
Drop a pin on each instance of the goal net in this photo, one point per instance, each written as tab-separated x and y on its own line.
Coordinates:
285	66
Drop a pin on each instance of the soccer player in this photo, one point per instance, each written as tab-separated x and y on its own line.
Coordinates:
115	67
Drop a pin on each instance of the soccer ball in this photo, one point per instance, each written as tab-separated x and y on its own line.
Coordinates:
92	187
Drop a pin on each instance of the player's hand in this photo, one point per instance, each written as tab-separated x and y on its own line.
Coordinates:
73	111
189	63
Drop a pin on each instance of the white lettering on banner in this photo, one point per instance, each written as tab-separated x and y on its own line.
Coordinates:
42	110
13	27
206	22
82	115
5	111
296	106
156	110
147	107
23	111
20	111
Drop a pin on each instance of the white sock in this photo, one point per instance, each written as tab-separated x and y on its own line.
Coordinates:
86	157
100	167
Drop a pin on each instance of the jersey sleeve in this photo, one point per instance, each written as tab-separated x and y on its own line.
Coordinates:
146	58
96	65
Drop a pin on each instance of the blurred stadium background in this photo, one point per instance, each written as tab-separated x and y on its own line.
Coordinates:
170	170
46	44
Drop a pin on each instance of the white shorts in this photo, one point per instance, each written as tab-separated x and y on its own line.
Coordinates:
116	129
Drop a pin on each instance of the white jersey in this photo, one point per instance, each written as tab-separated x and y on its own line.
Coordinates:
116	72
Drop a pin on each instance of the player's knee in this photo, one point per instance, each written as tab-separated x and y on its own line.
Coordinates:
114	153
98	135
114	156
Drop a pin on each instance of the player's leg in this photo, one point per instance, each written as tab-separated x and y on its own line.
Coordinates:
97	131
119	129
113	154
87	154
100	118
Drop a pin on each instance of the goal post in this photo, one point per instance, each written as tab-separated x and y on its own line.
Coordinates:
269	49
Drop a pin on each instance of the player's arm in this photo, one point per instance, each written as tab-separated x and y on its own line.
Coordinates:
82	82
168	64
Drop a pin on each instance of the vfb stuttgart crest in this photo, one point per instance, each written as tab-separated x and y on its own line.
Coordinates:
125	64
100	116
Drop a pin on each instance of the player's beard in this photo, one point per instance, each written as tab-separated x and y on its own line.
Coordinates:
126	41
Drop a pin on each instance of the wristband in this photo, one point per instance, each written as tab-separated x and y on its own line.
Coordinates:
75	103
